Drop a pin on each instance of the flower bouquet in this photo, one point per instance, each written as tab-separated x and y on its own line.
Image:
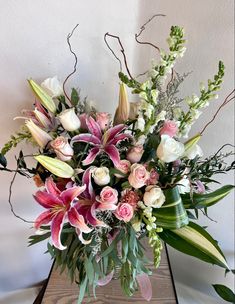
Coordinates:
105	184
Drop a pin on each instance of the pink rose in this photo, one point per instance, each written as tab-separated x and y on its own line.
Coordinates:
124	212
62	148
153	178
103	119
139	176
108	198
134	154
123	166
169	128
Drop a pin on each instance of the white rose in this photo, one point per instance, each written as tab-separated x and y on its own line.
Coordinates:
184	185
52	86
69	120
154	197
194	151
101	176
169	149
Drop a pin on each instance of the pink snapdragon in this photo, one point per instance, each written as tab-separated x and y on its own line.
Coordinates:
169	128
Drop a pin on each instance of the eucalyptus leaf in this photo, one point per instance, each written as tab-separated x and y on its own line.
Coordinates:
225	293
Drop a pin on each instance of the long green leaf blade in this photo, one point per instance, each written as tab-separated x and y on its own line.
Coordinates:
195	241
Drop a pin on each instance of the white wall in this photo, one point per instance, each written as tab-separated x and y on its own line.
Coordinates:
33	44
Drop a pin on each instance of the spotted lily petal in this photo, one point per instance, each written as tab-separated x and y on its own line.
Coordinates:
51	187
93	127
70	194
91	156
77	220
119	138
87	138
43	219
86	180
109	135
56	228
47	200
80	236
113	154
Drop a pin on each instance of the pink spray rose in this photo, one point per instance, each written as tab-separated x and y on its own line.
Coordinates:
124	212
62	148
108	198
123	166
153	177
169	128
135	153
103	120
139	176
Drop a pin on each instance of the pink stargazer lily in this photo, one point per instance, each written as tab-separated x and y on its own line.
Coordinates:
87	205
102	142
58	205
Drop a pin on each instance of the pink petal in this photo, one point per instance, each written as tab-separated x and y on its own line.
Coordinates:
87	138
51	187
109	135
80	236
113	154
93	127
119	138
43	219
91	216
41	109
105	206
104	281
86	180
91	156
77	220
47	200
56	228
145	286
70	194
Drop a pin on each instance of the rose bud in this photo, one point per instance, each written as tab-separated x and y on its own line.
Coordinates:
135	153
123	109
153	178
139	176
103	119
69	120
124	212
153	197
53	87
123	166
41	137
101	176
62	148
169	128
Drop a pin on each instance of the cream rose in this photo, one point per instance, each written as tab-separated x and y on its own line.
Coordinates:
139	176
101	176
62	148
153	197
53	87
69	120
169	149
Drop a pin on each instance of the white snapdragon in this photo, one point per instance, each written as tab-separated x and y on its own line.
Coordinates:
140	124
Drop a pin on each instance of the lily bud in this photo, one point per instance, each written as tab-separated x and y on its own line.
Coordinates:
41	137
43	119
191	142
134	109
69	120
55	166
45	99
123	109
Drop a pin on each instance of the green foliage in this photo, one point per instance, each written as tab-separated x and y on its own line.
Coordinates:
225	293
74	97
15	140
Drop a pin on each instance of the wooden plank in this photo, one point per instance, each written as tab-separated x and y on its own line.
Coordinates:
59	289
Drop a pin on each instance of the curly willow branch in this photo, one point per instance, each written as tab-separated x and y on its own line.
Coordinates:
230	97
122	51
75	63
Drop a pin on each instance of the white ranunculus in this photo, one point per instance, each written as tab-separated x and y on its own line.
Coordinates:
69	120
184	185
101	176
194	151
169	149
53	87
154	197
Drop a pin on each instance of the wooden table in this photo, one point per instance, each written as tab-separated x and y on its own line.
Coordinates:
60	291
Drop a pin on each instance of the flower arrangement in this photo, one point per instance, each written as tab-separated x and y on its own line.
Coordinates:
105	183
